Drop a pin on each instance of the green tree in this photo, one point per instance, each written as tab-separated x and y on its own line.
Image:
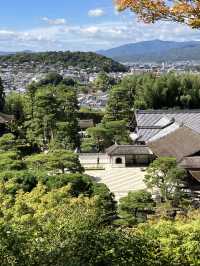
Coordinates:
88	145
118	131
20	179
53	117
55	160
164	174
51	78
51	228
177	241
67	118
103	82
100	137
8	142
105	134
2	96
15	105
135	207
10	158
119	106
42	125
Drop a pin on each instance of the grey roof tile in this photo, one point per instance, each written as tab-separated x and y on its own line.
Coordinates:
148	120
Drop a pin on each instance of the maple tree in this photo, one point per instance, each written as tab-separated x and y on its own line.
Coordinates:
150	11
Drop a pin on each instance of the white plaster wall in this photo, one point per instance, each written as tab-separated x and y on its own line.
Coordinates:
114	165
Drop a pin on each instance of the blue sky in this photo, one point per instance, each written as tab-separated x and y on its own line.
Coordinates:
77	25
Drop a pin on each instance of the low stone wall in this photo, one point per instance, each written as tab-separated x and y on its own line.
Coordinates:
92	160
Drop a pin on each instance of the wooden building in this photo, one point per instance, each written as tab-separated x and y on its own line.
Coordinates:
172	133
5	120
129	155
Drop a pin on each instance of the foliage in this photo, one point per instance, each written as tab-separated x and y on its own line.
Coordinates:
105	134
8	142
45	227
15	105
10	161
16	180
10	158
87	114
150	92
100	136
88	145
135	207
164	174
91	61
55	161
52	78
181	11
117	131
119	106
177	241
103	82
105	201
79	184
51	228
52	116
2	96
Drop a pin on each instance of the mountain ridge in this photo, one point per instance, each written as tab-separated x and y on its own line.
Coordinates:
154	50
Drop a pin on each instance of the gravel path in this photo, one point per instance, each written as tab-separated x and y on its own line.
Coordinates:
120	180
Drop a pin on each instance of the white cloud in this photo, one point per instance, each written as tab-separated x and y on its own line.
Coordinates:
56	21
98	12
92	36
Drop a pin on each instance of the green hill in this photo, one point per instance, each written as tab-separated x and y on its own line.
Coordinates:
82	60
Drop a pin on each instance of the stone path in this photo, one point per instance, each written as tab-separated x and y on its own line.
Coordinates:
120	180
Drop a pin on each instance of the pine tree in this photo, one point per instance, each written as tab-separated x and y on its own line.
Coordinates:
2	96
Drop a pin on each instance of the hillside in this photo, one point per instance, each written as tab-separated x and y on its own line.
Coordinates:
155	50
84	60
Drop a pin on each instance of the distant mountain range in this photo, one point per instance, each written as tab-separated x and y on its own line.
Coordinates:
155	51
6	53
11	53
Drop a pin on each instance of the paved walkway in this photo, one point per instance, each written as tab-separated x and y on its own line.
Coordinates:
120	180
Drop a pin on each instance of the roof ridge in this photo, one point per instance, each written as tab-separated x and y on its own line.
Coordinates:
112	148
181	126
167	111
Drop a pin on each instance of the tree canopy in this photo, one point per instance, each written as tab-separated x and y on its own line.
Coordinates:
2	96
85	60
187	12
164	174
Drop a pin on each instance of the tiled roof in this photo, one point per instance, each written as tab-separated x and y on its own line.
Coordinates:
4	118
195	174
151	122
191	162
180	143
128	150
165	131
84	124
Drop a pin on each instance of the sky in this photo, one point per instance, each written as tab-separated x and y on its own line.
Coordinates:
84	25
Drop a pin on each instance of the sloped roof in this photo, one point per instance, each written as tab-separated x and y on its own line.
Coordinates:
191	162
128	150
4	118
165	131
84	124
151	122
180	143
195	174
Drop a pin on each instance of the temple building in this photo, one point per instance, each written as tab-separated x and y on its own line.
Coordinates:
162	133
